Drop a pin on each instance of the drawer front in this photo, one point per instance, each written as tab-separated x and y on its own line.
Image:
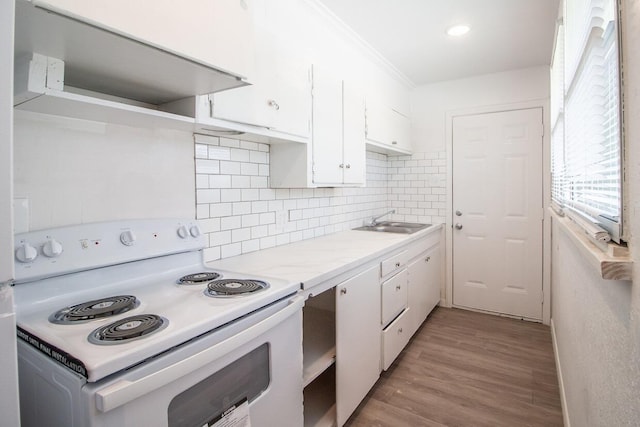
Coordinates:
394	296
393	263
418	247
394	338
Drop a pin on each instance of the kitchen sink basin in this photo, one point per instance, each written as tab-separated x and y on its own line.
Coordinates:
394	227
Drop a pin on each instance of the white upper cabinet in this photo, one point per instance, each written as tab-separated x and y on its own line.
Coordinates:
218	33
279	98
387	129
339	154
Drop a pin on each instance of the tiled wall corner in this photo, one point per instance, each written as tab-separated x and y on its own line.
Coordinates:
417	187
239	213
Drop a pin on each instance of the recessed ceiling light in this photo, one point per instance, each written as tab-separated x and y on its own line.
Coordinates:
458	30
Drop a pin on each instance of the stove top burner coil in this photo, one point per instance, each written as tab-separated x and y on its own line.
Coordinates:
96	309
128	329
198	278
234	287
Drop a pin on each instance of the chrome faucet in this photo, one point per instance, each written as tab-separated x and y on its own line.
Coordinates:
374	220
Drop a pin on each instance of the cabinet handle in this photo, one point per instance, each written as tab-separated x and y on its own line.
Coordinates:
274	104
348	166
427	259
341	165
394	142
400	330
343	291
397	264
398	287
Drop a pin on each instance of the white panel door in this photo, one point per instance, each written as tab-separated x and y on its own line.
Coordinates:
498	212
358	340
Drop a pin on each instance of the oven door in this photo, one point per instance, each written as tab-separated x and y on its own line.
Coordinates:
257	359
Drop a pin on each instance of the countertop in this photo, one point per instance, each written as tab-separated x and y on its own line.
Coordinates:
314	261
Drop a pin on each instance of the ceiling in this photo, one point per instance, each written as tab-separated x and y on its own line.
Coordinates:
411	34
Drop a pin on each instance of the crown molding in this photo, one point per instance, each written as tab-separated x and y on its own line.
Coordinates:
360	43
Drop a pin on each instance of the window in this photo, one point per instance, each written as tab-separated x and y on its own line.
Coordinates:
586	141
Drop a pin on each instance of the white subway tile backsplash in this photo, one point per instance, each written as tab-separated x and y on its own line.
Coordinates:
227	167
207	196
219	181
207	166
249	169
220	238
220	209
219	153
250	246
228	142
231	250
241	214
201	151
240	234
240	181
230	223
250	194
239	155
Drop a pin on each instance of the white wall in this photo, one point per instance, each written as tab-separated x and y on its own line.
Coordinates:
430	103
76	171
597	322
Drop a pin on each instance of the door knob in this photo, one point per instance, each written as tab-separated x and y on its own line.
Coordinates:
343	291
458	226
458	213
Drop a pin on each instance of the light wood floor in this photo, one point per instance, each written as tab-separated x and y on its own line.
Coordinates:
468	369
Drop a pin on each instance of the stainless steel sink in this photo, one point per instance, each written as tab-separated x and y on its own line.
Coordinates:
394	227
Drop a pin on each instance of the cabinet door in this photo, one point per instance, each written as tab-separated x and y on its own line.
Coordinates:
400	130
278	99
378	127
219	33
418	290
434	277
424	286
354	151
292	96
358	340
328	165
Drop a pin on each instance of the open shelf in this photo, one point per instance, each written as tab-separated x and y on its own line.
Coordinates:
319	331
79	106
320	400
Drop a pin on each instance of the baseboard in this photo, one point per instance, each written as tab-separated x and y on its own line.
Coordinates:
563	397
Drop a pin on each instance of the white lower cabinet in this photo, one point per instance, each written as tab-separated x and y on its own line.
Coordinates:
357	333
359	326
424	286
395	337
341	327
394	296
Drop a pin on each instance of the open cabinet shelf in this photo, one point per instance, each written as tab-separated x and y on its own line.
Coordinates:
79	106
319	342
320	400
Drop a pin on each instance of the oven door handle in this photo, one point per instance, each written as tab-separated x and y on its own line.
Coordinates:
121	392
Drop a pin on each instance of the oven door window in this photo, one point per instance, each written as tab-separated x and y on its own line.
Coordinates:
247	377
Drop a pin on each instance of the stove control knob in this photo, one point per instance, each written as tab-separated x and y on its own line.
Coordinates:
52	248
127	238
194	231
26	253
183	233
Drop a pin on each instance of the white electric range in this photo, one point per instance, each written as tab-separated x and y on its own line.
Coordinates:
122	324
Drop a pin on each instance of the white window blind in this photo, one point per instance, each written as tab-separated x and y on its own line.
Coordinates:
586	137
557	118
